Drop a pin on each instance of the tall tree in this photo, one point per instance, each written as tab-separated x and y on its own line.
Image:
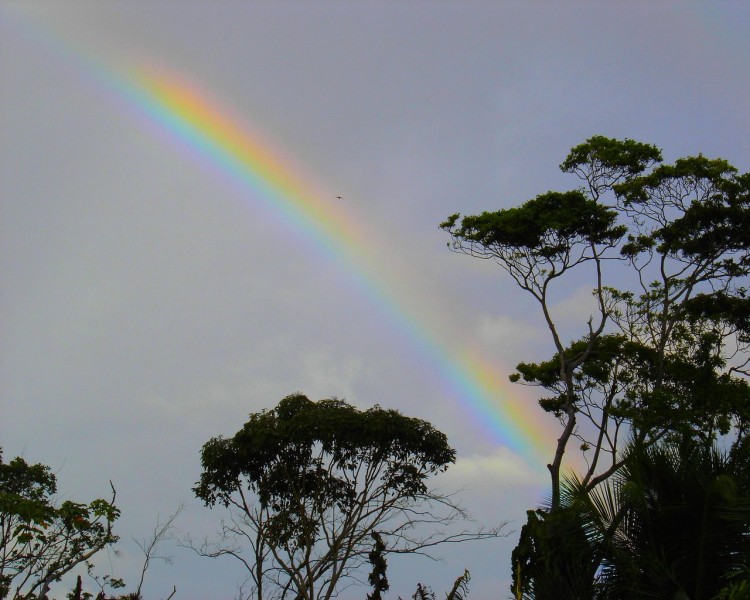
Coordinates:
309	483
666	352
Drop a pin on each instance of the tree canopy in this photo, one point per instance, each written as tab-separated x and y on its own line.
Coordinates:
310	483
39	541
656	375
665	248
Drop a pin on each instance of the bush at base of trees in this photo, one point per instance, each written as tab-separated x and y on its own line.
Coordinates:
673	522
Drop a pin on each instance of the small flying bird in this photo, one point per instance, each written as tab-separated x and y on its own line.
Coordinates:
339	198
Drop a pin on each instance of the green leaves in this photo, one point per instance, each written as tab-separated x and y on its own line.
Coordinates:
666	351
311	446
546	226
674	519
618	158
312	482
664	356
695	210
41	542
672	522
553	558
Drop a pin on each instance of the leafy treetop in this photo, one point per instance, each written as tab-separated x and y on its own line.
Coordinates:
278	448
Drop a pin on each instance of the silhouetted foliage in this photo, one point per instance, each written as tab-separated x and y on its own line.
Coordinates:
377	578
459	591
553	558
309	482
672	522
666	354
663	358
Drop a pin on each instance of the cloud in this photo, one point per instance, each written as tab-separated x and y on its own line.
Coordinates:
493	471
510	337
325	375
572	313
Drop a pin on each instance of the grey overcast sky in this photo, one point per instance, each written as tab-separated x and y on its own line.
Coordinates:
150	298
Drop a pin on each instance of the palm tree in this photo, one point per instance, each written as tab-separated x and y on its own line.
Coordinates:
554	557
673	523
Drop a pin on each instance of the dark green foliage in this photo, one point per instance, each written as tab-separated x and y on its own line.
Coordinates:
547	226
610	159
674	520
697	210
737	586
732	310
377	579
553	558
313	481
41	542
304	452
666	351
663	357
685	391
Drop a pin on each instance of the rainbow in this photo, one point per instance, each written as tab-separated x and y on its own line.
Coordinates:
212	132
202	123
